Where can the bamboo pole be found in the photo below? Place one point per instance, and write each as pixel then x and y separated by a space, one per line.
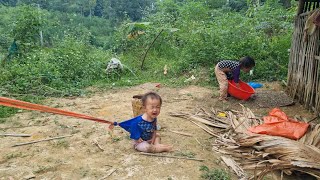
pixel 42 140
pixel 167 156
pixel 15 135
pixel 181 133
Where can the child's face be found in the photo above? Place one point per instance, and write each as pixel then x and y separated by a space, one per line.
pixel 246 70
pixel 152 107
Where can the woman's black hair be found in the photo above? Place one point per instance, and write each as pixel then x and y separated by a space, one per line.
pixel 247 62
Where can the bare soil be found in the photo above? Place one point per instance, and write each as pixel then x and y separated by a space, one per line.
pixel 77 157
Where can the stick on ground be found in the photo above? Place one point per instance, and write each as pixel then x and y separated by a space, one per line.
pixel 16 135
pixel 15 127
pixel 205 128
pixel 109 174
pixel 181 133
pixel 199 142
pixel 167 156
pixel 42 140
pixel 95 142
pixel 313 119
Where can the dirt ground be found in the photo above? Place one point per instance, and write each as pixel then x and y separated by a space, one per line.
pixel 76 157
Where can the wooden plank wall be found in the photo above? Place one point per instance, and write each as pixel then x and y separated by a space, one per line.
pixel 303 69
pixel 307 5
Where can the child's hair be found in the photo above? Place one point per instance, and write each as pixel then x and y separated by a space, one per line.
pixel 151 95
pixel 247 62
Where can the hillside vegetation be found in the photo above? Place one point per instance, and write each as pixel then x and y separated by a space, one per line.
pixel 78 38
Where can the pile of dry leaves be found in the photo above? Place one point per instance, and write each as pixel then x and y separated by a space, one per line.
pixel 255 153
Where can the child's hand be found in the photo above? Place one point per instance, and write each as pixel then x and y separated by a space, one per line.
pixel 140 140
pixel 238 85
pixel 111 127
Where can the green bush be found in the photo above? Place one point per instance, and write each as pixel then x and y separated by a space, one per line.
pixel 69 61
pixel 61 71
pixel 196 35
pixel 215 174
pixel 206 36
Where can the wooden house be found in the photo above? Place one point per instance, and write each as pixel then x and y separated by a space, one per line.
pixel 304 63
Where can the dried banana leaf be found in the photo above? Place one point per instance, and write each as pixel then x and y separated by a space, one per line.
pixel 261 154
pixel 264 154
pixel 234 166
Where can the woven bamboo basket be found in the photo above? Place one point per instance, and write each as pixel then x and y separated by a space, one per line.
pixel 137 106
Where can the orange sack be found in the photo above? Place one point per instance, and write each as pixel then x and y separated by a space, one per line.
pixel 278 124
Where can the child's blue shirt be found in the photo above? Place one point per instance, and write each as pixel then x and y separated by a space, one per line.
pixel 139 128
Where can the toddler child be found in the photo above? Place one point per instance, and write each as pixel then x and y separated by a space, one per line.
pixel 143 128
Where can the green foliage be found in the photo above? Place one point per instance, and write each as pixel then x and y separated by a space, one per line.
pixel 215 3
pixel 99 8
pixel 25 22
pixel 62 144
pixel 6 112
pixel 116 139
pixel 119 10
pixel 61 71
pixel 9 2
pixel 13 155
pixel 185 154
pixel 79 37
pixel 6 27
pixel 114 10
pixel 238 5
pixel 26 28
pixel 207 36
pixel 95 31
pixel 215 174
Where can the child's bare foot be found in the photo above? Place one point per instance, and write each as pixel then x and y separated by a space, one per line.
pixel 159 148
pixel 169 148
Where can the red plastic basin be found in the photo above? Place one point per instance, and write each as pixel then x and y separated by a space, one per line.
pixel 244 92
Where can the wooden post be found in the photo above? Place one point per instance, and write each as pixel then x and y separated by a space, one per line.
pixel 300 7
